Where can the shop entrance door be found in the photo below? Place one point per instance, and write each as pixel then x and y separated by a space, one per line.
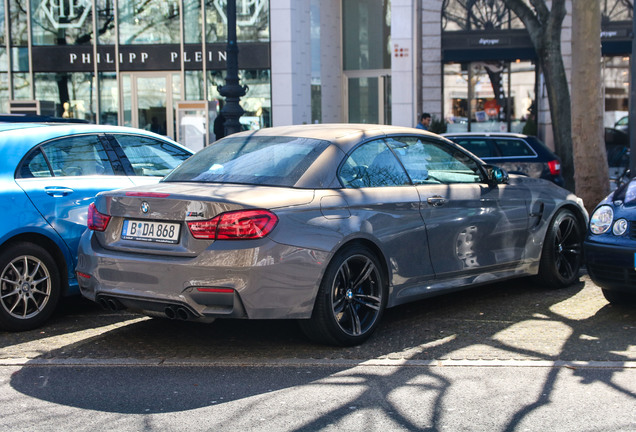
pixel 368 96
pixel 148 101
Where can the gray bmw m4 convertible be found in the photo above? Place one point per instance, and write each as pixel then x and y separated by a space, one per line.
pixel 325 224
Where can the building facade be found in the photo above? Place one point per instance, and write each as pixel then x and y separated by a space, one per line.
pixel 469 63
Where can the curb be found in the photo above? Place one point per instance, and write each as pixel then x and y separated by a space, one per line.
pixel 254 362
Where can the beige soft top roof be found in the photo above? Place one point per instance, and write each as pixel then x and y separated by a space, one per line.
pixel 335 132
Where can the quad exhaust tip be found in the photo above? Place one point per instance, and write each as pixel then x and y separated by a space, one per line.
pixel 177 313
pixel 110 304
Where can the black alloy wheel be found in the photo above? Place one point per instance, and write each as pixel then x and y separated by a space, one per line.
pixel 350 301
pixel 562 251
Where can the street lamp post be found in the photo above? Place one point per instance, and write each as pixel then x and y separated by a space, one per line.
pixel 232 91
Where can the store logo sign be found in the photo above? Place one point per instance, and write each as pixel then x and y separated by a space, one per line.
pixel 247 11
pixel 66 13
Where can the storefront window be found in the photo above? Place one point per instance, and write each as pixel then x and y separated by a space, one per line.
pixel 108 98
pixel 367 30
pixel 21 85
pixel 316 87
pixel 18 18
pixel 363 100
pixel 252 21
pixel 149 22
pixel 20 59
pixel 72 92
pixel 2 25
pixel 194 85
pixel 256 103
pixel 617 49
pixel 4 92
pixel 522 86
pixel 617 10
pixel 616 80
pixel 105 22
pixel 489 96
pixel 62 23
pixel 192 21
pixel 4 82
pixel 176 96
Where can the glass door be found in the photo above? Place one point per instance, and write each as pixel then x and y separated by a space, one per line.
pixel 368 97
pixel 148 101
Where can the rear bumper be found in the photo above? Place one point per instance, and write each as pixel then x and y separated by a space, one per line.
pixel 261 280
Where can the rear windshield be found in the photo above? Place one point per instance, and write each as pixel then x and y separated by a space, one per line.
pixel 270 161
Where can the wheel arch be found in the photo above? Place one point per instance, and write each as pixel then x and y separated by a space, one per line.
pixel 373 247
pixel 580 216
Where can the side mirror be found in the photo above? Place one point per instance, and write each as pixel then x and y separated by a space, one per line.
pixel 496 175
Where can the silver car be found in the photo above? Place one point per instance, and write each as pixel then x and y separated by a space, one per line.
pixel 327 224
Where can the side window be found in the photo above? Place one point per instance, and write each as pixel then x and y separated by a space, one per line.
pixel 34 166
pixel 373 164
pixel 431 162
pixel 149 156
pixel 514 148
pixel 479 147
pixel 81 155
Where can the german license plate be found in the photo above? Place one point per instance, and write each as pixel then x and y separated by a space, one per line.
pixel 148 231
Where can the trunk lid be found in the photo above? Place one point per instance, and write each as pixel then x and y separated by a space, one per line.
pixel 138 213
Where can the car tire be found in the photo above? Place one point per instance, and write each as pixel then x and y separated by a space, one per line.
pixel 29 286
pixel 350 301
pixel 561 257
pixel 619 298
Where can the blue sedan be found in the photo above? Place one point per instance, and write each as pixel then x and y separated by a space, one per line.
pixel 610 246
pixel 49 174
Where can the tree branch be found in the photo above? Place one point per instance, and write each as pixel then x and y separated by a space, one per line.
pixel 525 14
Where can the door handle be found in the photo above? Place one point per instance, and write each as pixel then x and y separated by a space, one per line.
pixel 58 191
pixel 436 201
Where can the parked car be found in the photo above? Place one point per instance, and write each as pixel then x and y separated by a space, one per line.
pixel 516 153
pixel 610 246
pixel 622 124
pixel 49 174
pixel 328 224
pixel 617 148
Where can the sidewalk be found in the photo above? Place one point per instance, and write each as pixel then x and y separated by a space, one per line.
pixel 510 321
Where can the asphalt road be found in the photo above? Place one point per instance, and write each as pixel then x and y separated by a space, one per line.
pixel 504 357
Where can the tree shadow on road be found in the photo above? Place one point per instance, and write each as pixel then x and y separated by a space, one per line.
pixel 509 321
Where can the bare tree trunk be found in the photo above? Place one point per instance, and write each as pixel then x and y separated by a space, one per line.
pixel 551 62
pixel 544 27
pixel 590 159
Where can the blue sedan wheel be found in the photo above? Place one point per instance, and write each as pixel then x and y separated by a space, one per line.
pixel 562 251
pixel 29 286
pixel 350 301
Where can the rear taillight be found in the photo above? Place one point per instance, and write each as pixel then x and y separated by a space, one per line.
pixel 96 221
pixel 555 167
pixel 236 225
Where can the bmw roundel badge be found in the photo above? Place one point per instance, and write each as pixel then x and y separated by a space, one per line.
pixel 145 207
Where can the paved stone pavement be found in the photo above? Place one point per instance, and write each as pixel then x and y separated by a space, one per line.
pixel 507 321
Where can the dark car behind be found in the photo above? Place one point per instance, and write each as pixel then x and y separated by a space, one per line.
pixel 516 153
